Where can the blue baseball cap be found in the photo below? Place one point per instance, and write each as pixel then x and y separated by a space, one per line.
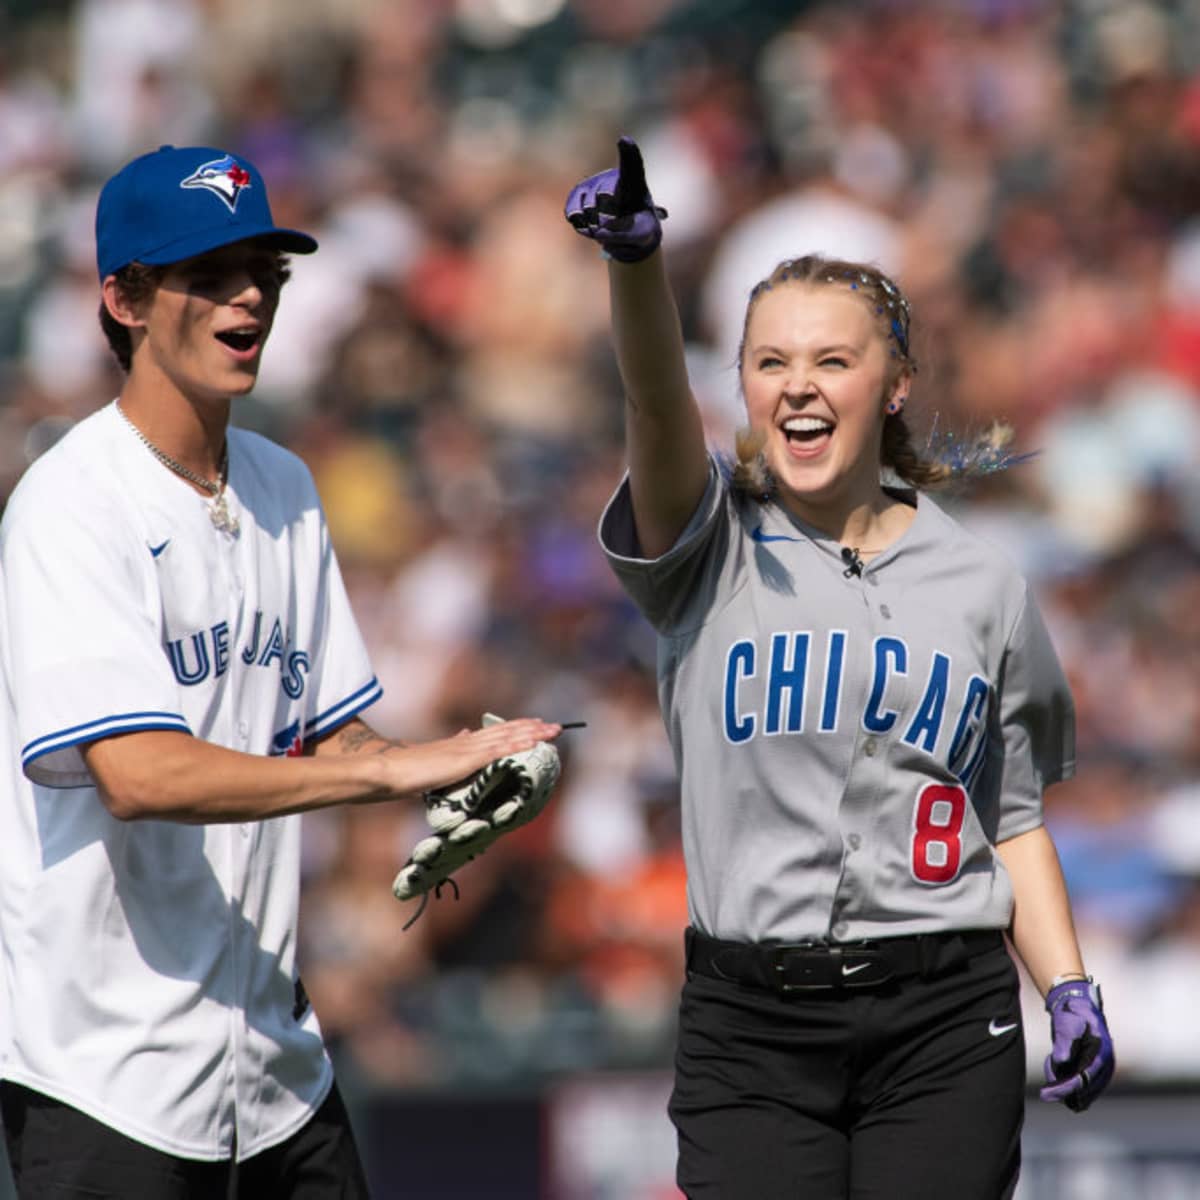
pixel 177 202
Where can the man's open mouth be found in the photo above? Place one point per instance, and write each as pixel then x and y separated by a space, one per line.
pixel 240 339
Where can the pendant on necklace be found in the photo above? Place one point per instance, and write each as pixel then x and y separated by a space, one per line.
pixel 221 517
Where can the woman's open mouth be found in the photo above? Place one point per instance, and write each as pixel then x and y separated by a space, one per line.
pixel 807 435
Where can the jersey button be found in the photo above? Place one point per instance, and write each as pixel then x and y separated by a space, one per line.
pixel 854 841
pixel 885 612
pixel 869 747
pixel 841 929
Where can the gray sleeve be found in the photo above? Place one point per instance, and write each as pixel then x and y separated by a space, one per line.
pixel 1037 723
pixel 668 588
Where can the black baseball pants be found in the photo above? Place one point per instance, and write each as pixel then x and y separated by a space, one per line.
pixel 59 1153
pixel 913 1090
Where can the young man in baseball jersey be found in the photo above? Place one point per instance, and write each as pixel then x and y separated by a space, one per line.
pixel 182 678
pixel 865 708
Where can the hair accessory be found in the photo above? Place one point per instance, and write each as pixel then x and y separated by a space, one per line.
pixel 971 457
pixel 894 302
pixel 177 202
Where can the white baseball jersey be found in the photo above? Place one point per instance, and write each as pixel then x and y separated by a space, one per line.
pixel 150 964
pixel 850 747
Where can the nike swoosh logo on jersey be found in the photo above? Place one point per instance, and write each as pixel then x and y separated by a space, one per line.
pixel 999 1030
pixel 155 551
pixel 854 970
pixel 757 535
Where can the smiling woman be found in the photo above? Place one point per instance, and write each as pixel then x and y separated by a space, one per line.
pixel 866 707
pixel 857 323
pixel 874 298
pixel 821 375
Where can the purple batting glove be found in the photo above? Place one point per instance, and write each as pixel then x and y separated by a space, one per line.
pixel 1081 1062
pixel 614 208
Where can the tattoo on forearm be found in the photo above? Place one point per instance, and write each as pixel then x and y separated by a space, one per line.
pixel 353 738
pixel 359 738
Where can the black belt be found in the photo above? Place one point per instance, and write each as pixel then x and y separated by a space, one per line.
pixel 828 966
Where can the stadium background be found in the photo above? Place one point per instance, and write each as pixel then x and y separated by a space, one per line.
pixel 1031 171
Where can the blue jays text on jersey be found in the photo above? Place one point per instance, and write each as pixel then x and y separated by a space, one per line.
pixel 196 656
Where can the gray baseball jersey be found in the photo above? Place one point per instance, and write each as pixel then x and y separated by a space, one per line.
pixel 850 747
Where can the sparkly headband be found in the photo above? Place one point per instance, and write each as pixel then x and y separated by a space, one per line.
pixel 895 305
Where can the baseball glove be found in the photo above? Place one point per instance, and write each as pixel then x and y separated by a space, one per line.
pixel 469 817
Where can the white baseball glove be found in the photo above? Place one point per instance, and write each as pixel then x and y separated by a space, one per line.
pixel 467 819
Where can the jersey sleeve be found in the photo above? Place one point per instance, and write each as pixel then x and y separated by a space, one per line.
pixel 1037 723
pixel 665 589
pixel 344 683
pixel 83 644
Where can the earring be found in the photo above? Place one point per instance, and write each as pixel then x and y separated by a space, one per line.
pixel 893 407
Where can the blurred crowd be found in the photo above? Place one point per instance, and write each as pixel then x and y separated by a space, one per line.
pixel 1028 169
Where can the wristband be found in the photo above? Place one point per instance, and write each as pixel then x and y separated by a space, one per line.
pixel 1066 977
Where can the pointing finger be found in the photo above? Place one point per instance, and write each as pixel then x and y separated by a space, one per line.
pixel 631 182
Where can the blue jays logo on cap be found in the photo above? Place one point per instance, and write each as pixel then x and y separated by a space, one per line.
pixel 224 177
pixel 158 209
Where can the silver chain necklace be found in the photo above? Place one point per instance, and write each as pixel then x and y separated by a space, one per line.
pixel 218 508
